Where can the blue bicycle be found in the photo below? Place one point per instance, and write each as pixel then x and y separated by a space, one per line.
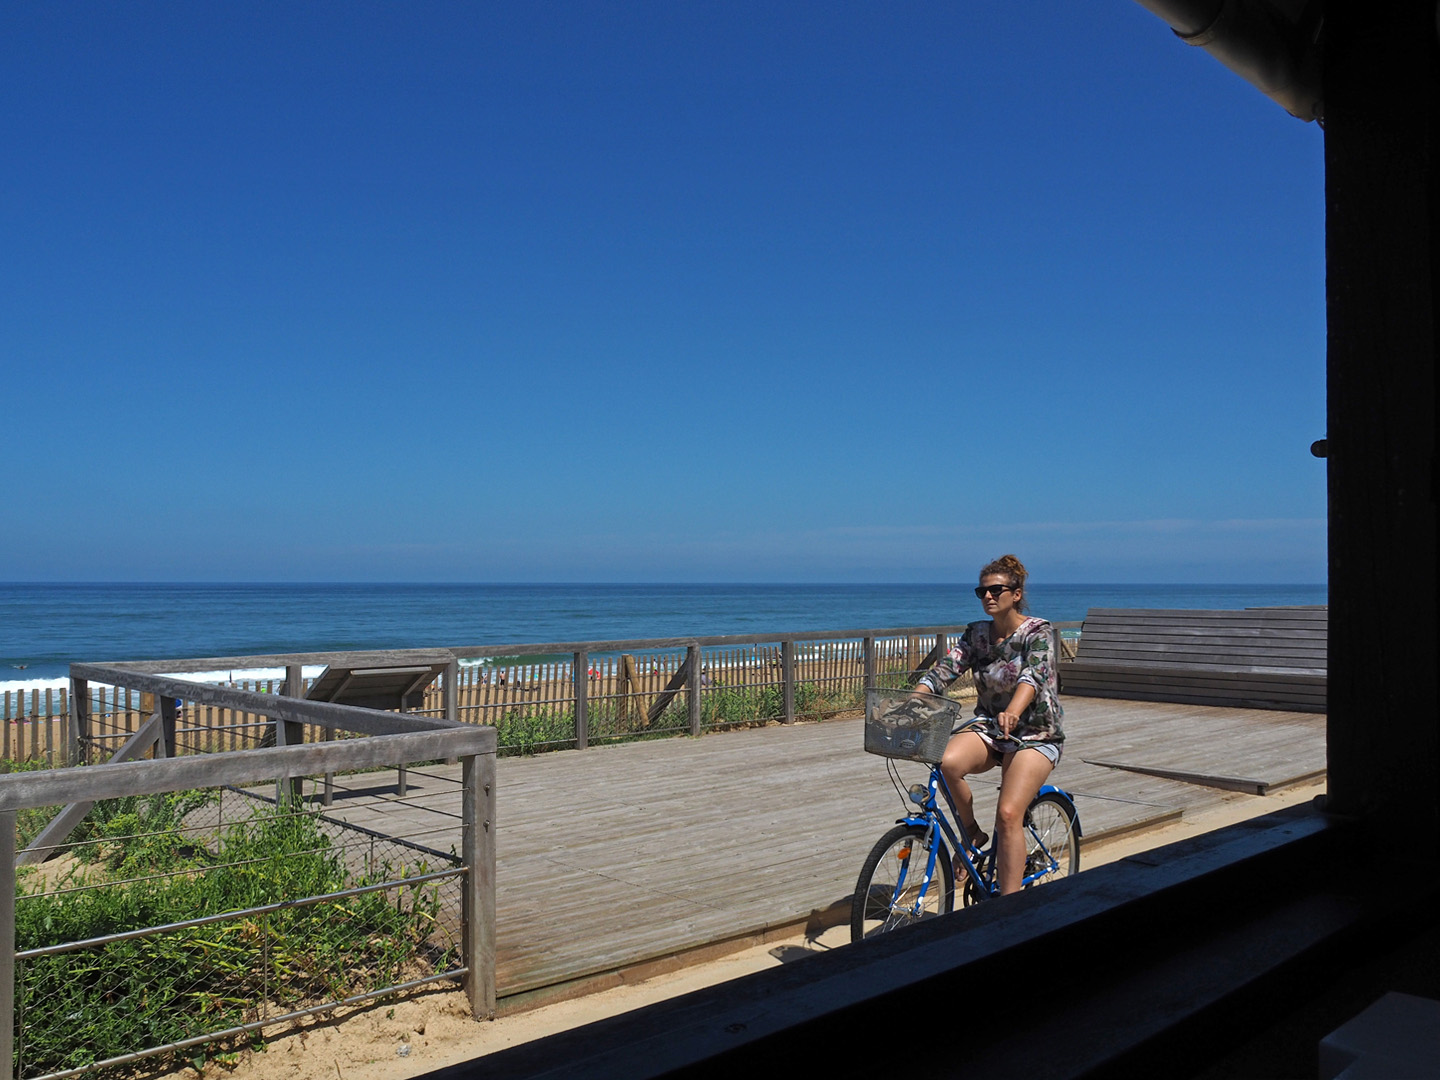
pixel 908 874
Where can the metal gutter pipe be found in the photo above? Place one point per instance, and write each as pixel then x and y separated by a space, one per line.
pixel 1271 44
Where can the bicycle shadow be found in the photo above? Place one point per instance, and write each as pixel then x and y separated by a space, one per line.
pixel 826 928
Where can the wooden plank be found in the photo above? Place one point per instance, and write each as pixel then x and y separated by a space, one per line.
pixel 345 717
pixel 20 791
pixel 63 824
pixel 1244 652
pixel 639 644
pixel 1170 635
pixel 1228 783
pixel 1298 614
pixel 400 657
pixel 1161 677
pixel 678 680
pixel 1239 701
pixel 1156 686
pixel 374 658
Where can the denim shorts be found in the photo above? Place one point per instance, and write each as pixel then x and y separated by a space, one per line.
pixel 989 732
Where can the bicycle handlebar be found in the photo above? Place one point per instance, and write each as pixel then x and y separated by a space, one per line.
pixel 976 722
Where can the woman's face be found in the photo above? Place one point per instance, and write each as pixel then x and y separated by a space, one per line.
pixel 995 601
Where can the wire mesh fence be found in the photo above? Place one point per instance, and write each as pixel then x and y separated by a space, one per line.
pixel 186 923
pixel 645 694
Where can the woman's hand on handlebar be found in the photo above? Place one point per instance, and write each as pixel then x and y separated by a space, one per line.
pixel 1009 717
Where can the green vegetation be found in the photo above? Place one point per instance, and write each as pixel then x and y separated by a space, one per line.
pixel 136 869
pixel 730 706
pixel 532 729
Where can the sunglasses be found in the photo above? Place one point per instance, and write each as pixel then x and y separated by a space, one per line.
pixel 993 591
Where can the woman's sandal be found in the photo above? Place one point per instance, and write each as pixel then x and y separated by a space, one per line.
pixel 978 840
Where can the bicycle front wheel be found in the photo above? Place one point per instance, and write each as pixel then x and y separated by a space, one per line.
pixel 1052 842
pixel 892 890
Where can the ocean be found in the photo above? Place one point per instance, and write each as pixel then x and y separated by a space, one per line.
pixel 44 627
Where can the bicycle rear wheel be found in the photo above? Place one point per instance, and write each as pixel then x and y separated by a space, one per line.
pixel 892 891
pixel 1052 842
pixel 972 891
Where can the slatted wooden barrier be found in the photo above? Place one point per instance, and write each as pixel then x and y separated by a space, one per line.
pixel 1258 658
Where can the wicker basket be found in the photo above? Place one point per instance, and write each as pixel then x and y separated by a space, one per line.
pixel 899 726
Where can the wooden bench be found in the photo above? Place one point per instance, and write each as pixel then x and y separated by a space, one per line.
pixel 1258 658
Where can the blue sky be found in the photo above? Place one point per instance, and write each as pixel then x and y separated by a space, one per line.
pixel 651 292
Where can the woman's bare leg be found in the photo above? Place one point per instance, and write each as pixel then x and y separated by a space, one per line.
pixel 1021 776
pixel 965 755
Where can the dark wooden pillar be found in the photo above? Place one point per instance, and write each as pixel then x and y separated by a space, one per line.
pixel 580 678
pixel 169 715
pixel 1382 238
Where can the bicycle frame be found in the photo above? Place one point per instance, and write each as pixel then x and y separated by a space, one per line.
pixel 931 815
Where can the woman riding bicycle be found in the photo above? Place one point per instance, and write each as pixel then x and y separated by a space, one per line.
pixel 1011 657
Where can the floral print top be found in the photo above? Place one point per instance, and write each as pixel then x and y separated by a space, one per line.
pixel 999 667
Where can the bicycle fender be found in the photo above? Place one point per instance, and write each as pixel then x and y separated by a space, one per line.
pixel 1051 788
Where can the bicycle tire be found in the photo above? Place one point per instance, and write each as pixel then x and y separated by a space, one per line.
pixel 1050 821
pixel 873 909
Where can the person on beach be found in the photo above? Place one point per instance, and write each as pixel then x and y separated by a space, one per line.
pixel 1010 655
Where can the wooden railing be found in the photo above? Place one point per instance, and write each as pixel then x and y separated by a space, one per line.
pixel 535 704
pixel 572 695
pixel 362 738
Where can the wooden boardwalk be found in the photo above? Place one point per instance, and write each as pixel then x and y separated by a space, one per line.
pixel 613 856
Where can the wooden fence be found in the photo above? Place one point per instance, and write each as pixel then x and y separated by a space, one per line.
pixel 580 692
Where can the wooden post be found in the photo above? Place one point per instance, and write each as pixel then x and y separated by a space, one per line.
pixel 450 696
pixel 1382 236
pixel 167 724
pixel 632 702
pixel 478 901
pixel 79 722
pixel 692 661
pixel 787 677
pixel 869 647
pixel 7 943
pixel 49 728
pixel 450 691
pixel 291 733
pixel 580 676
pixel 402 774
